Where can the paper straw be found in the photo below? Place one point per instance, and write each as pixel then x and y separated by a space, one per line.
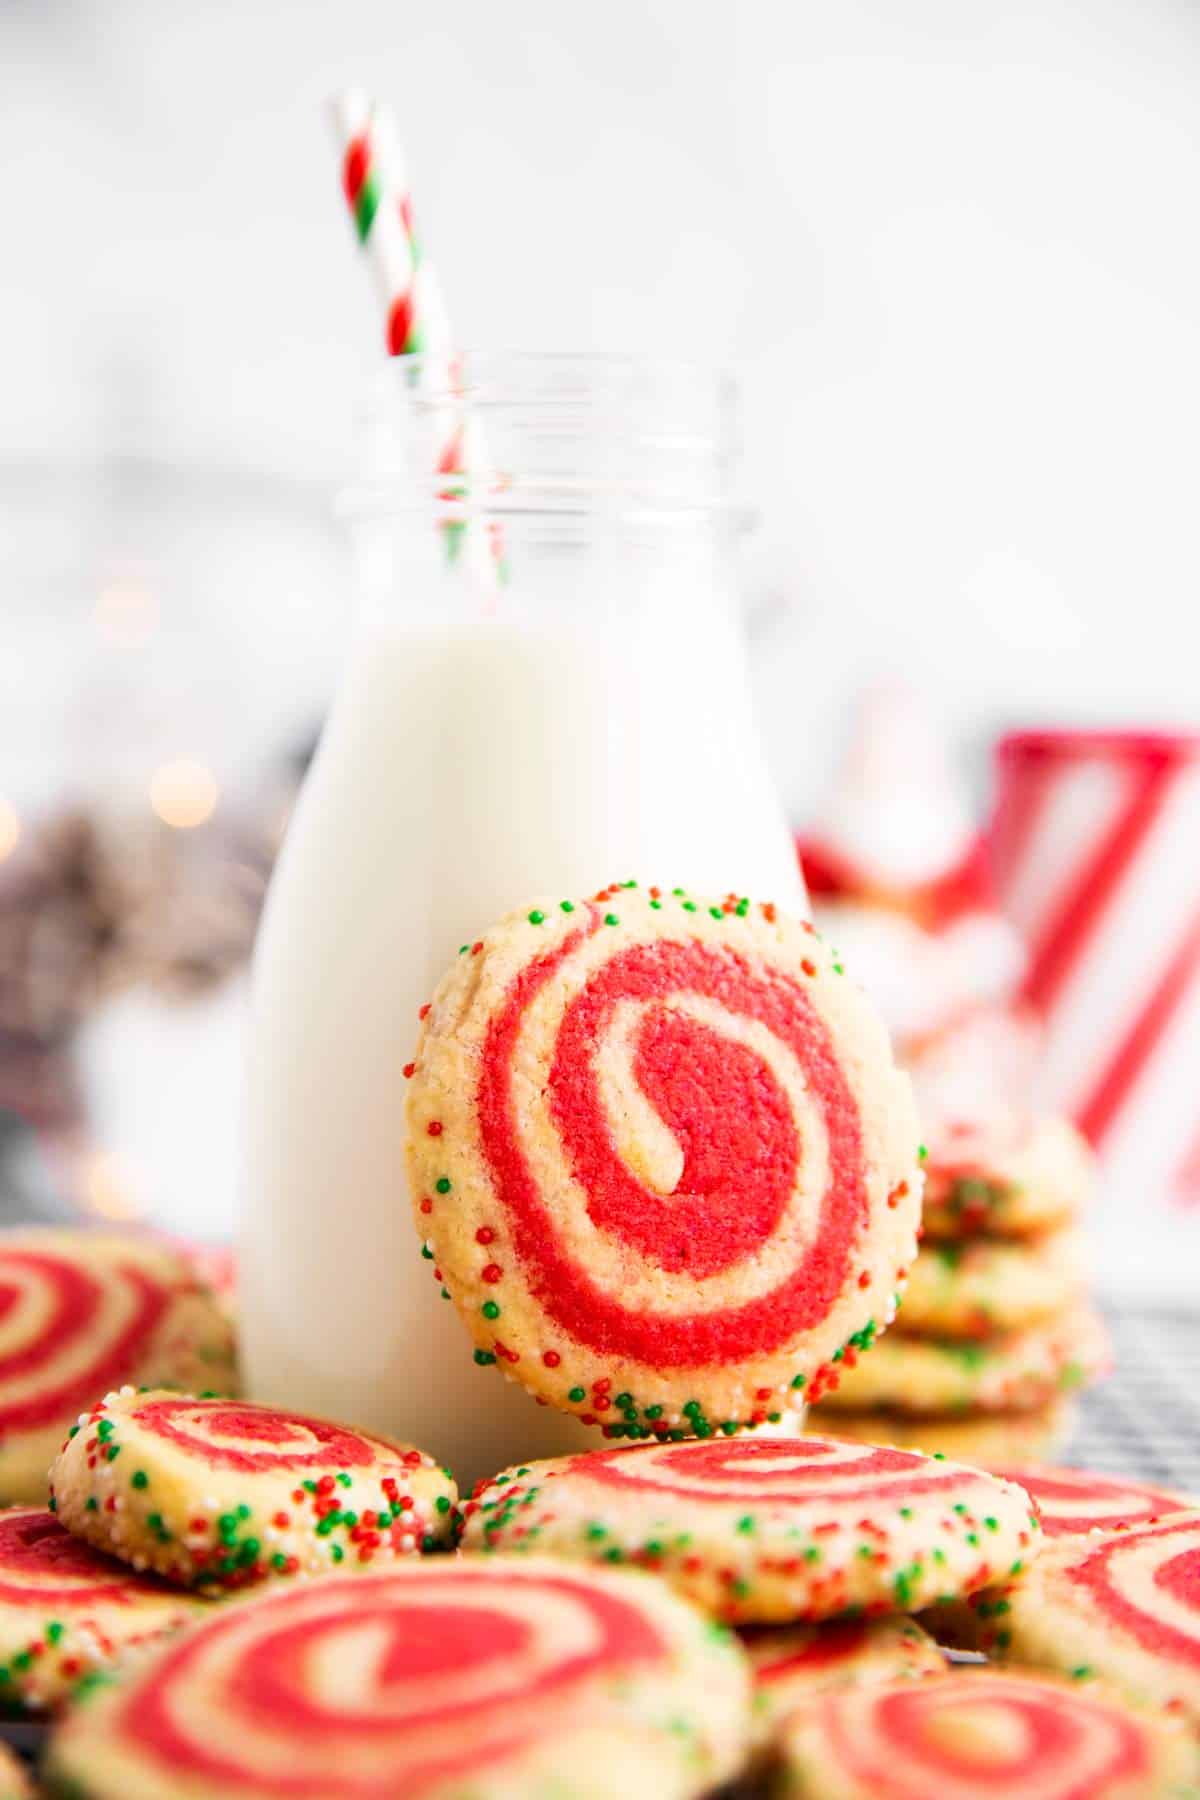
pixel 416 321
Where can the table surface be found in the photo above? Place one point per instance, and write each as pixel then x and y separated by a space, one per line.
pixel 1144 1420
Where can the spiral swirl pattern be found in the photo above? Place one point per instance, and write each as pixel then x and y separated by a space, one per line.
pixel 660 1144
pixel 80 1313
pixel 757 1529
pixel 429 1679
pixel 1124 1605
pixel 794 1662
pixel 971 1735
pixel 65 1609
pixel 1073 1502
pixel 226 1492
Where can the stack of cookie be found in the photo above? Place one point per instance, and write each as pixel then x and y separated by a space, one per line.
pixel 994 1331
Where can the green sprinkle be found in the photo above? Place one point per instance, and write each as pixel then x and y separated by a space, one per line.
pixel 654 1412
pixel 93 1504
pixel 484 1357
pixel 577 1394
pixel 140 1479
pixel 74 1431
pixel 1082 1672
pixel 442 1184
pixel 922 1152
pixel 657 905
pixel 624 1401
pixel 443 1503
pixel 690 906
pixel 714 912
pixel 112 1453
pixel 567 905
pixel 279 1561
pixel 490 1310
pixel 537 918
pixel 798 1381
pixel 336 1551
pixel 343 1479
pixel 54 1632
pixel 595 1532
pixel 746 1523
pixel 611 919
pixel 426 1252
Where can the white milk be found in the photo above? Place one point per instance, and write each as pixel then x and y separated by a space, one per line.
pixel 571 740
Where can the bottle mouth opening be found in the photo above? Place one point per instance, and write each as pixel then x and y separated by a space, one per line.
pixel 511 433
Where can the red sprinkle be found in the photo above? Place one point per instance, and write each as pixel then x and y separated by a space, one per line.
pixel 424 1011
pixel 492 1272
pixel 484 1235
pixel 427 1205
pixel 409 1071
pixel 434 1128
pixel 551 1358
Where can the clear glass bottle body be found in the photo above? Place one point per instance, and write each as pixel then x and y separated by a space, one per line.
pixel 588 720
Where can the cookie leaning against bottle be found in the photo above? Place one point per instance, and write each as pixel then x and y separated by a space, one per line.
pixel 659 1150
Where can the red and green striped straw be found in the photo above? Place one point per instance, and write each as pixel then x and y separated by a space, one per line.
pixel 416 322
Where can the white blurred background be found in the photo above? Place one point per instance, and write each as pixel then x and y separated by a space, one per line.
pixel 950 247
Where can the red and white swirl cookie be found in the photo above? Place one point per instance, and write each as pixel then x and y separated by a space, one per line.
pixel 979 1733
pixel 1020 1372
pixel 979 1288
pixel 988 1441
pixel 1123 1605
pixel 1006 1182
pixel 791 1663
pixel 81 1312
pixel 432 1681
pixel 760 1530
pixel 661 1158
pixel 222 1493
pixel 66 1611
pixel 1074 1502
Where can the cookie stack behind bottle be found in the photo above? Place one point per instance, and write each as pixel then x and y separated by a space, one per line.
pixel 995 1331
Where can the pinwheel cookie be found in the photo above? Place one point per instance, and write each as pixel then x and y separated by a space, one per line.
pixel 81 1312
pixel 991 1441
pixel 972 1735
pixel 1075 1502
pixel 222 1493
pixel 791 1663
pixel 1006 1183
pixel 432 1681
pixel 1124 1606
pixel 982 1287
pixel 661 1159
pixel 763 1530
pixel 1021 1371
pixel 66 1611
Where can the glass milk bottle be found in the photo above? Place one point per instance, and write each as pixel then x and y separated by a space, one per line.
pixel 586 720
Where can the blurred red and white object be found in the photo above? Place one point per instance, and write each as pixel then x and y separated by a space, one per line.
pixel 900 880
pixel 1096 847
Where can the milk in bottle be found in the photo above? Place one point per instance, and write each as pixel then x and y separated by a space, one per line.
pixel 585 722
